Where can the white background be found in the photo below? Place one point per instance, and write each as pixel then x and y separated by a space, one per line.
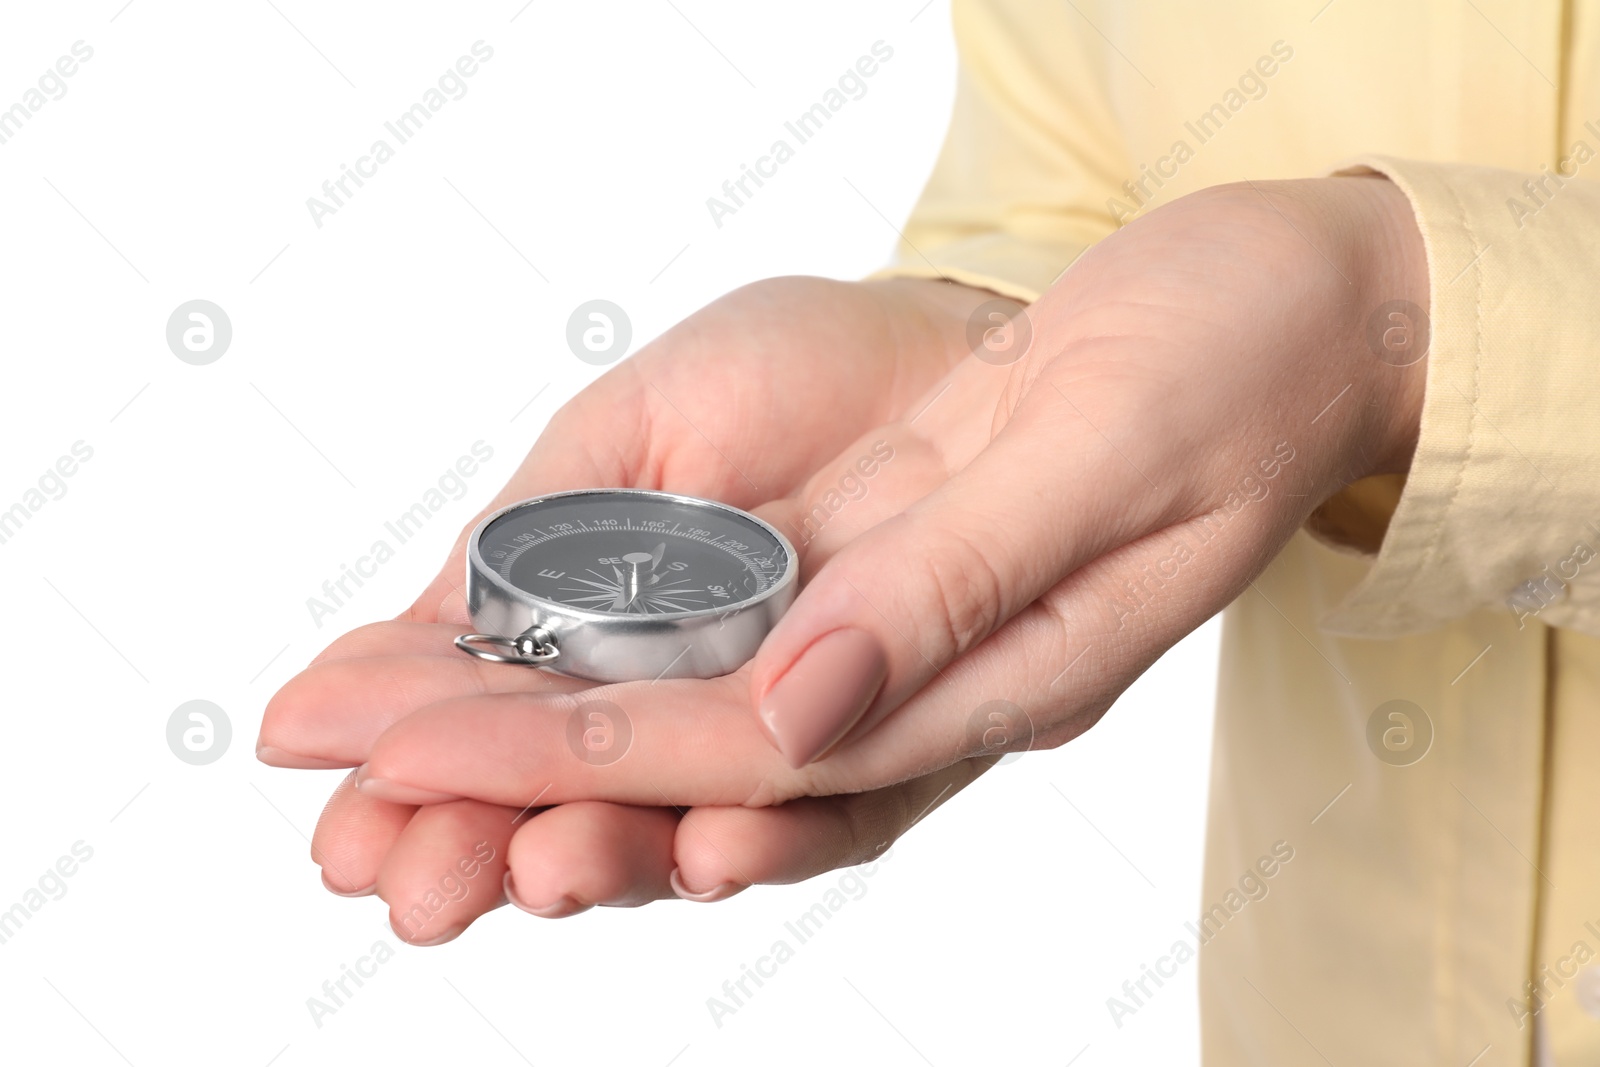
pixel 367 356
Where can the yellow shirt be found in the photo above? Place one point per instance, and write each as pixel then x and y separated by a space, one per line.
pixel 1428 885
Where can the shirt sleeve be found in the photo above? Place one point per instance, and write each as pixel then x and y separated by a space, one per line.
pixel 1031 158
pixel 1501 507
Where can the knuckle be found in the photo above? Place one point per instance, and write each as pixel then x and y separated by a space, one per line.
pixel 1069 703
pixel 769 791
pixel 965 592
pixel 848 816
pixel 780 783
pixel 873 831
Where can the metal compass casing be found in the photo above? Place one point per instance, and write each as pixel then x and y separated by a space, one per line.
pixel 619 585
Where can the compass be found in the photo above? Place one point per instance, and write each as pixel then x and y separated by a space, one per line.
pixel 619 585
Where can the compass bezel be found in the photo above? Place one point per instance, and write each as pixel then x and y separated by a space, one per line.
pixel 493 573
pixel 612 646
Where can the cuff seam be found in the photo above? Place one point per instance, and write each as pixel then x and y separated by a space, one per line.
pixel 1430 552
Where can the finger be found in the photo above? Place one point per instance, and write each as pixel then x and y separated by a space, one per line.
pixel 330 713
pixel 676 741
pixel 1054 669
pixel 685 742
pixel 892 609
pixel 445 870
pixel 353 835
pixel 575 856
pixel 719 851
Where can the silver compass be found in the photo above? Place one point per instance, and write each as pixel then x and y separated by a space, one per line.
pixel 619 585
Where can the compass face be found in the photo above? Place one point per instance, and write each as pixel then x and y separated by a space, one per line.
pixel 630 552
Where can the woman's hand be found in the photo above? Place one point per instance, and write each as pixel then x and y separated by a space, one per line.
pixel 1195 385
pixel 1214 352
pixel 740 402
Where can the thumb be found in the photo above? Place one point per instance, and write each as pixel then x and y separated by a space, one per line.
pixel 562 458
pixel 887 613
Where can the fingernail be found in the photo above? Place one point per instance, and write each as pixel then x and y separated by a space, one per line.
pixel 277 757
pixel 563 907
pixel 336 891
pixel 823 694
pixel 449 934
pixel 708 896
pixel 394 792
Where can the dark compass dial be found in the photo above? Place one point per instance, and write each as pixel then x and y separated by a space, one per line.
pixel 634 553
